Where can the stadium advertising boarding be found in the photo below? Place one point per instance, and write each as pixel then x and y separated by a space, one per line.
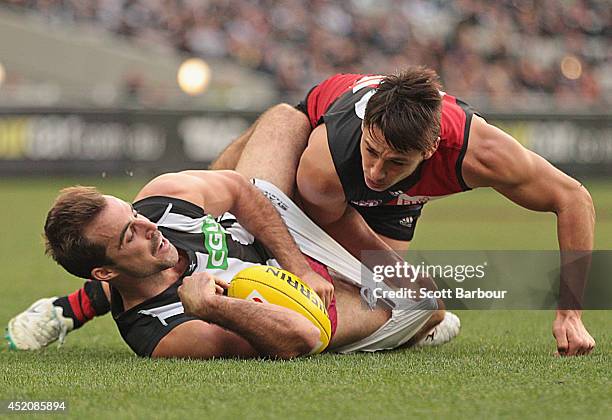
pixel 145 142
pixel 77 142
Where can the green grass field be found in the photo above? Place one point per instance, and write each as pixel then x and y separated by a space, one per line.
pixel 500 366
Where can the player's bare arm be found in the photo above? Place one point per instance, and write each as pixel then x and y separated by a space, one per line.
pixel 494 159
pixel 228 191
pixel 198 339
pixel 234 327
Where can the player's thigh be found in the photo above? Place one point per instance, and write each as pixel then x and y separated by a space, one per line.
pixel 275 146
pixel 355 319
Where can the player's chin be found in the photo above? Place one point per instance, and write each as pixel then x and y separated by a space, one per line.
pixel 170 259
pixel 375 186
pixel 167 259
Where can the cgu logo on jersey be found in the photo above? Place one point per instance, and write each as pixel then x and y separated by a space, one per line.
pixel 215 243
pixel 406 200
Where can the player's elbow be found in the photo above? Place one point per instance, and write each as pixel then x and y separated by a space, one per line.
pixel 581 201
pixel 586 201
pixel 302 339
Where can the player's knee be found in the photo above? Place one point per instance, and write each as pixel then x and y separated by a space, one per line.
pixel 282 109
pixel 289 116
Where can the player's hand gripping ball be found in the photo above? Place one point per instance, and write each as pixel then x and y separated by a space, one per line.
pixel 263 283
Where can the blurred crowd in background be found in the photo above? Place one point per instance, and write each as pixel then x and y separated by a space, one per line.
pixel 502 53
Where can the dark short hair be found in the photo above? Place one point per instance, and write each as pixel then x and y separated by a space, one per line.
pixel 406 108
pixel 73 210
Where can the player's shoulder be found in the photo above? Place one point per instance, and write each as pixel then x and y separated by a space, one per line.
pixel 456 119
pixel 494 156
pixel 168 185
pixel 199 187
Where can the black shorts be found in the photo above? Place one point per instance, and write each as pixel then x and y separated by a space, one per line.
pixel 395 222
pixel 303 107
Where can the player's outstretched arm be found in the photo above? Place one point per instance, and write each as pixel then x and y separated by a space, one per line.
pixel 495 159
pixel 221 191
pixel 234 327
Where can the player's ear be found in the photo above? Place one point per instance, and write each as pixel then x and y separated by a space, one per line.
pixel 104 273
pixel 432 150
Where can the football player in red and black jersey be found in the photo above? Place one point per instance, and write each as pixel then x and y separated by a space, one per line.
pixel 383 146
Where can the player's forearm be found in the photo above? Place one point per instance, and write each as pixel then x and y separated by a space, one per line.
pixel 260 218
pixel 575 230
pixel 576 223
pixel 273 330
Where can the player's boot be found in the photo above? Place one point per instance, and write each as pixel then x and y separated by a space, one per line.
pixel 442 333
pixel 38 326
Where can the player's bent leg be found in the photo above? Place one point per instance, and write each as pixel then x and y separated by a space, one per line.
pixel 273 151
pixel 360 329
pixel 51 319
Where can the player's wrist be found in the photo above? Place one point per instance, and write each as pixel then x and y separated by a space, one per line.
pixel 301 269
pixel 209 308
pixel 569 314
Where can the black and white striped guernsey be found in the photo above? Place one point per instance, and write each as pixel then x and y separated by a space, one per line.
pixel 219 246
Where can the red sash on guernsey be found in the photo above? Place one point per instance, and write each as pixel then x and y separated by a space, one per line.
pixel 441 174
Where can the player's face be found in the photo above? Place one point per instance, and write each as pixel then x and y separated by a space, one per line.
pixel 383 166
pixel 132 241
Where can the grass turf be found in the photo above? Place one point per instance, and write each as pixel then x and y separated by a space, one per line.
pixel 500 366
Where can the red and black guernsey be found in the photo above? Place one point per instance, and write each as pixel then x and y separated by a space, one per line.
pixel 340 103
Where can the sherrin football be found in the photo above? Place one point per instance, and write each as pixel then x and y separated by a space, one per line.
pixel 262 283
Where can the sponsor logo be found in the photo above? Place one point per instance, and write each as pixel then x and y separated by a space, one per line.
pixel 396 193
pixel 407 221
pixel 255 296
pixel 367 203
pixel 306 291
pixel 406 200
pixel 215 244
